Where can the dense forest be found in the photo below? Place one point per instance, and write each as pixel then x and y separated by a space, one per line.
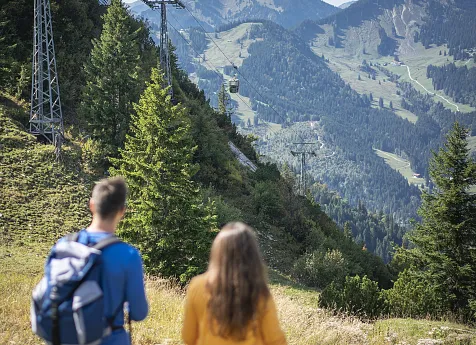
pixel 433 115
pixel 377 231
pixel 457 82
pixel 453 24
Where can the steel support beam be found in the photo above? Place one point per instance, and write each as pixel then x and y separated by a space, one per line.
pixel 46 117
pixel 164 36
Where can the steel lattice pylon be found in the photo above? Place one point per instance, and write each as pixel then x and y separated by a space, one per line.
pixel 164 36
pixel 46 118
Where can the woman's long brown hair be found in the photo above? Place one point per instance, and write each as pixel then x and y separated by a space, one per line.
pixel 237 281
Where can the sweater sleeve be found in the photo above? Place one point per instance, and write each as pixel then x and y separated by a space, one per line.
pixel 135 290
pixel 271 331
pixel 190 320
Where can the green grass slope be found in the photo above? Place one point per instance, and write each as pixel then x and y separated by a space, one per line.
pixel 41 199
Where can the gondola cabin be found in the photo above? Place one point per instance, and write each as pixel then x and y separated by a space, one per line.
pixel 234 85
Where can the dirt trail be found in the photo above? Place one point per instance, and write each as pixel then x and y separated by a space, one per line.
pixel 431 93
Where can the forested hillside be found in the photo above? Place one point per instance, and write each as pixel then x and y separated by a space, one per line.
pixel 457 82
pixel 378 232
pixel 309 91
pixel 453 23
pixel 77 21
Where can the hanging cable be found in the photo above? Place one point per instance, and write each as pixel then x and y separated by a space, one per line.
pixel 213 68
pixel 233 64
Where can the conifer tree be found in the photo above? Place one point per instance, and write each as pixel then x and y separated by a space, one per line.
pixel 444 256
pixel 167 220
pixel 112 79
pixel 224 102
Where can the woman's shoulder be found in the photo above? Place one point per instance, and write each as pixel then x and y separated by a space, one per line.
pixel 198 283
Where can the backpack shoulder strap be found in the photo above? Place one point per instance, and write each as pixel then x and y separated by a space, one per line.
pixel 107 242
pixel 72 237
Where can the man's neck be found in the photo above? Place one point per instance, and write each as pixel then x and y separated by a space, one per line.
pixel 100 225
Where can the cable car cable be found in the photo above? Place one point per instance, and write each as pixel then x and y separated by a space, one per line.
pixel 233 64
pixel 213 68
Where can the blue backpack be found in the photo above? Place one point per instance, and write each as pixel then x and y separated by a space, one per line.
pixel 68 303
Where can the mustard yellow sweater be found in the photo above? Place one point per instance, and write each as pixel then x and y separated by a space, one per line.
pixel 196 330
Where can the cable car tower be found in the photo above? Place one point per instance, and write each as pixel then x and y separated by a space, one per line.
pixel 46 117
pixel 303 153
pixel 164 36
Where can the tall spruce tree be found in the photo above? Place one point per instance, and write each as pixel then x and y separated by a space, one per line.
pixel 223 101
pixel 112 79
pixel 444 253
pixel 167 220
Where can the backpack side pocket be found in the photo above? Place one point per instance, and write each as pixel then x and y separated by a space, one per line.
pixel 87 304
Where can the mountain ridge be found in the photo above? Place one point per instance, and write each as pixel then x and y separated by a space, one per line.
pixel 214 13
pixel 346 4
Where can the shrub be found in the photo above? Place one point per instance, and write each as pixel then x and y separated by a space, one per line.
pixel 413 296
pixel 358 296
pixel 319 269
pixel 93 156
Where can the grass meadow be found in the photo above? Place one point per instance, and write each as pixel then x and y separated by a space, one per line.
pixel 302 320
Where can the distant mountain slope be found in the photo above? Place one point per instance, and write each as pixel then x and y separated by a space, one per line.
pixel 214 13
pixel 388 27
pixel 369 28
pixel 376 44
pixel 452 23
pixel 347 4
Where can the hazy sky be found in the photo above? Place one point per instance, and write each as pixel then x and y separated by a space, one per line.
pixel 336 2
pixel 333 2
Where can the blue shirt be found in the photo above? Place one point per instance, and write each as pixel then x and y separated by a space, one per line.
pixel 122 281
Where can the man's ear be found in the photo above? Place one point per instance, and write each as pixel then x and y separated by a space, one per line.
pixel 122 212
pixel 92 207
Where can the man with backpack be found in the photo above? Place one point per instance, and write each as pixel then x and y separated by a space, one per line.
pixel 89 276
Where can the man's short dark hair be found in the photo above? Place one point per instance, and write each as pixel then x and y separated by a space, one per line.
pixel 109 197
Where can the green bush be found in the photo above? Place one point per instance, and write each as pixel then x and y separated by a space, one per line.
pixel 226 212
pixel 319 269
pixel 358 296
pixel 93 156
pixel 414 296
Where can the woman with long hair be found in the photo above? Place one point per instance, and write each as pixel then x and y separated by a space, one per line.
pixel 231 302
